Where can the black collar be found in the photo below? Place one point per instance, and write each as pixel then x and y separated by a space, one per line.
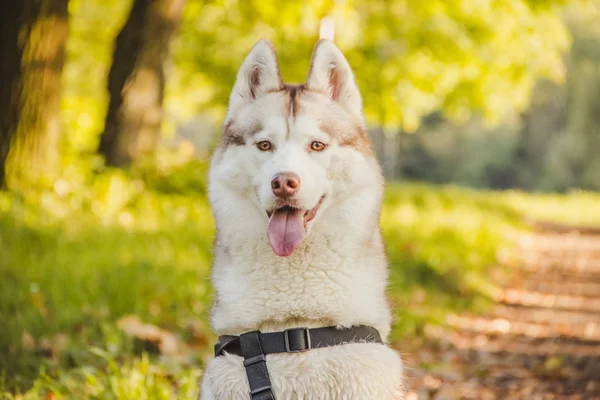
pixel 301 339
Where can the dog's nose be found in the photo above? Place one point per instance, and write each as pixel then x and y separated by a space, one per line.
pixel 285 184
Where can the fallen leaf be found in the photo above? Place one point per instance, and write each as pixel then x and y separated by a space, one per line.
pixel 133 326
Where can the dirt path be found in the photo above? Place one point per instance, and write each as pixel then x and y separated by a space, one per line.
pixel 540 341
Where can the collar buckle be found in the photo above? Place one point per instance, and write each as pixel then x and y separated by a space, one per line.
pixel 298 336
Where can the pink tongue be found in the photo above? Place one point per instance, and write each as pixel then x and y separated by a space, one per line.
pixel 285 231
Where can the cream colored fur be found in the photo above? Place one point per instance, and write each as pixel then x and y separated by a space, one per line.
pixel 338 273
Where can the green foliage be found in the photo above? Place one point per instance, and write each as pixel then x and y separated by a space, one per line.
pixel 93 26
pixel 410 57
pixel 551 147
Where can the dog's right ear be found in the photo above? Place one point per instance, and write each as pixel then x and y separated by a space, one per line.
pixel 258 75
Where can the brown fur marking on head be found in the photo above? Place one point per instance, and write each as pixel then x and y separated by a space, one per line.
pixel 355 137
pixel 236 135
pixel 292 95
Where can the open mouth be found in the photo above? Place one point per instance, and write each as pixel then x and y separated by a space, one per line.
pixel 287 225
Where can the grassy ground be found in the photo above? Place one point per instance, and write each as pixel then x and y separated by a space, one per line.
pixel 76 259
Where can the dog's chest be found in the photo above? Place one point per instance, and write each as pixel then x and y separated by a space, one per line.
pixel 328 286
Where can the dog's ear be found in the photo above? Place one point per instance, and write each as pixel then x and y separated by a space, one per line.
pixel 330 72
pixel 258 75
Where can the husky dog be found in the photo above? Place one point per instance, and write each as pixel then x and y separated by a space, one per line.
pixel 296 194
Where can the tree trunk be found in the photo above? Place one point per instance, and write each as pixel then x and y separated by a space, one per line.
pixel 34 33
pixel 136 81
pixel 10 70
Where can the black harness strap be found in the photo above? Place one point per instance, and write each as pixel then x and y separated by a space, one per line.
pixel 255 363
pixel 254 346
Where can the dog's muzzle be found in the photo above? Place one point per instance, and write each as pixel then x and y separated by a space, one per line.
pixel 254 346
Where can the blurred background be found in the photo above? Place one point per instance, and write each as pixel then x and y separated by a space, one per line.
pixel 485 115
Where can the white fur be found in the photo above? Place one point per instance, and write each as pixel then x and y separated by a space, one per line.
pixel 338 273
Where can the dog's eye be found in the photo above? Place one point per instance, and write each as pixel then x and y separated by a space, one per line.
pixel 264 145
pixel 317 146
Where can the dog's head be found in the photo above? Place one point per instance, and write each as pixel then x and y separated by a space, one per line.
pixel 294 153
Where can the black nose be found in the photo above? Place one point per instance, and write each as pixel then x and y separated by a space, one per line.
pixel 285 184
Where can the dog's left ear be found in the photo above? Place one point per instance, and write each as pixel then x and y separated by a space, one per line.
pixel 330 72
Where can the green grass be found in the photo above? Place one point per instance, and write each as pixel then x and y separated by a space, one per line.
pixel 575 208
pixel 77 258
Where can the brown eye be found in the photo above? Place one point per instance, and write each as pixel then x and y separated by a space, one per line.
pixel 264 145
pixel 317 146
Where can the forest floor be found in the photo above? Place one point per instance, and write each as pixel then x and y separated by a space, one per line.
pixel 541 339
